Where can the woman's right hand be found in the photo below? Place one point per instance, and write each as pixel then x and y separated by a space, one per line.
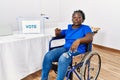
pixel 57 31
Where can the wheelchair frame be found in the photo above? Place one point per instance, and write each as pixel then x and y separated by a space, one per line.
pixel 83 66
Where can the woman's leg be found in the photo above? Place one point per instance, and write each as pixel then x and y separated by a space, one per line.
pixel 63 64
pixel 51 56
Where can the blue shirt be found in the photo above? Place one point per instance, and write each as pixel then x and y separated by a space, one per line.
pixel 73 34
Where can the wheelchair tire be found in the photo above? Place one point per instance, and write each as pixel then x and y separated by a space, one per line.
pixel 91 66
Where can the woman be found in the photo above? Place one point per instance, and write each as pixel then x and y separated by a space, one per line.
pixel 76 37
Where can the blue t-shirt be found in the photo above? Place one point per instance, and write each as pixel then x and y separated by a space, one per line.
pixel 73 34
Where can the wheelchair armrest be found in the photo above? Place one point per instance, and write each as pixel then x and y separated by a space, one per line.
pixel 55 38
pixel 95 30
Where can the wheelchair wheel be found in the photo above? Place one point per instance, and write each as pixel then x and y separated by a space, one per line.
pixel 91 66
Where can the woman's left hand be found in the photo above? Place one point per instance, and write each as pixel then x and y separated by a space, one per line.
pixel 75 45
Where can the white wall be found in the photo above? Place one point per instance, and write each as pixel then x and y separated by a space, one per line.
pixel 99 13
pixel 51 8
pixel 10 10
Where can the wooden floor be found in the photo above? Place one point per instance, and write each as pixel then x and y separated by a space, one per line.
pixel 110 69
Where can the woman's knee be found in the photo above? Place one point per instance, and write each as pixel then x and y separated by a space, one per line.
pixel 64 58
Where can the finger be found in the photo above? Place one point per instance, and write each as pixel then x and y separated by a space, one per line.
pixel 72 49
pixel 58 29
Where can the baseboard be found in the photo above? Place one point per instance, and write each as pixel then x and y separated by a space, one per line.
pixel 107 48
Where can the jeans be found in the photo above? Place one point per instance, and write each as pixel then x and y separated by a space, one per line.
pixel 64 60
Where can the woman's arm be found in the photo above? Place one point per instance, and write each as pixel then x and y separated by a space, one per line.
pixel 60 33
pixel 87 39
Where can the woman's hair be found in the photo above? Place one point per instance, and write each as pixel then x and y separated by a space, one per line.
pixel 81 12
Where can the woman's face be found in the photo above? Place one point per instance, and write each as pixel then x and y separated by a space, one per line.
pixel 77 19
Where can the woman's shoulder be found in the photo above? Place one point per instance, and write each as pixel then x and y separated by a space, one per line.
pixel 84 26
pixel 70 26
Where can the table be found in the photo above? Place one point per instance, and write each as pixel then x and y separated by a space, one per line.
pixel 21 55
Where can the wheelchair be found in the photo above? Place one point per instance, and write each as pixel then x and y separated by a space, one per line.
pixel 88 67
